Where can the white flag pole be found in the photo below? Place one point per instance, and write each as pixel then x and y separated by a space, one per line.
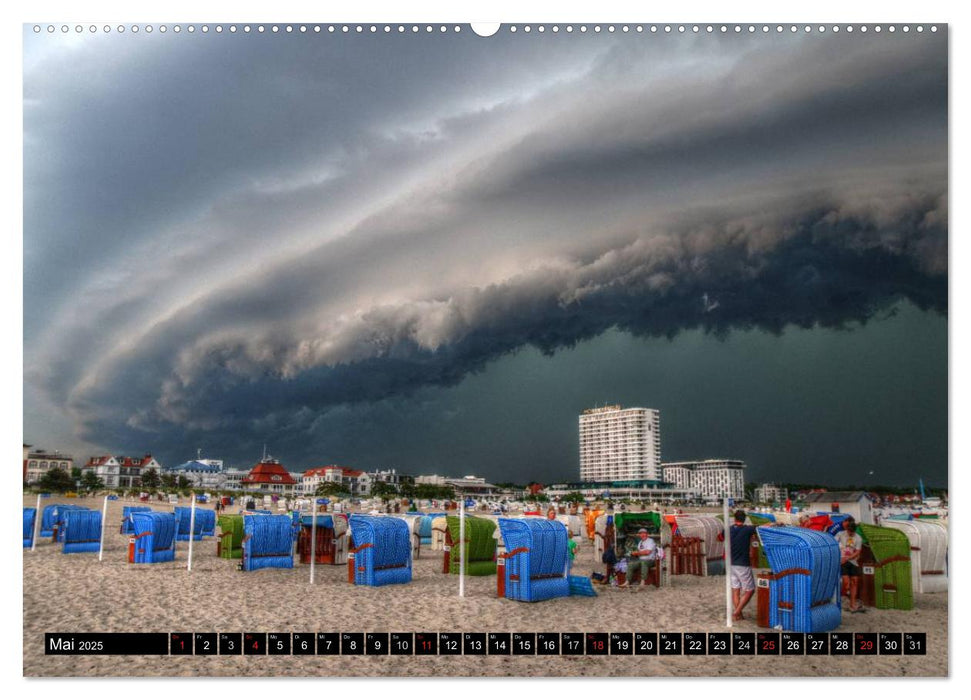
pixel 313 536
pixel 728 566
pixel 192 528
pixel 462 549
pixel 104 518
pixel 33 539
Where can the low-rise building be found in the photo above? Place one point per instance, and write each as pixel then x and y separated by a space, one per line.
pixel 269 476
pixel 390 476
pixel 233 479
pixel 202 473
pixel 430 479
pixel 38 462
pixel 131 469
pixel 711 478
pixel 635 489
pixel 770 493
pixel 471 486
pixel 466 486
pixel 121 472
pixel 855 503
pixel 106 467
pixel 353 481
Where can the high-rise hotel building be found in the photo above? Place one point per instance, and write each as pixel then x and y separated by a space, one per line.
pixel 620 444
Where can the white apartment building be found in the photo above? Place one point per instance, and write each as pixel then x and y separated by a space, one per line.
pixel 39 462
pixel 431 479
pixel 770 493
pixel 106 468
pixel 468 485
pixel 354 481
pixel 233 479
pixel 712 478
pixel 620 444
pixel 390 476
pixel 121 472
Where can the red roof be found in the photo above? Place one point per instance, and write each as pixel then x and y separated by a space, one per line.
pixel 268 473
pixel 97 461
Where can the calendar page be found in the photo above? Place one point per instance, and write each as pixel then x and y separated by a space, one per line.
pixel 542 349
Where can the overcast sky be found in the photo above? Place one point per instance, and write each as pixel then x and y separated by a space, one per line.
pixel 432 252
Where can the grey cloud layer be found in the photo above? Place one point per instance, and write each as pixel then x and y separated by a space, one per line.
pixel 256 233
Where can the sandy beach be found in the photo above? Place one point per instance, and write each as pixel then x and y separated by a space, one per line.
pixel 77 593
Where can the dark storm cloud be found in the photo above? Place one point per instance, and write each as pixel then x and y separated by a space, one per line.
pixel 261 232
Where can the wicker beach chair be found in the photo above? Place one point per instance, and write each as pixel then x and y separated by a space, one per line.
pixel 154 537
pixel 438 532
pixel 707 529
pixel 205 523
pixel 537 560
pixel 600 535
pixel 81 531
pixel 425 529
pixel 52 522
pixel 804 583
pixel 30 517
pixel 48 520
pixel 127 527
pixel 382 550
pixel 928 553
pixel 208 518
pixel 331 547
pixel 479 548
pixel 891 567
pixel 230 542
pixel 267 542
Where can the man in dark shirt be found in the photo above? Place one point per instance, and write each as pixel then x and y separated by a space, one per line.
pixel 743 583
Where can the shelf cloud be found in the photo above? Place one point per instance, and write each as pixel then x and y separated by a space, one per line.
pixel 226 237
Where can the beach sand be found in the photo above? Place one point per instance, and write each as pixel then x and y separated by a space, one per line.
pixel 77 593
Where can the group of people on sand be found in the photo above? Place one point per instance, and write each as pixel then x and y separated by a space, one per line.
pixel 743 582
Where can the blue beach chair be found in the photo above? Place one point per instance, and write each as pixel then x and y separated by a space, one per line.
pixel 382 550
pixel 537 559
pixel 804 584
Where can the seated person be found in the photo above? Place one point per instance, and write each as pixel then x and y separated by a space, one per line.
pixel 642 558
